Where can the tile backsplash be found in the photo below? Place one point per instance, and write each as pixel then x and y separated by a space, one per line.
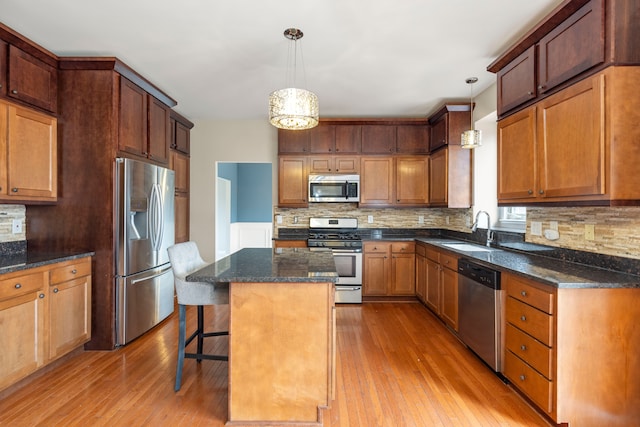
pixel 7 214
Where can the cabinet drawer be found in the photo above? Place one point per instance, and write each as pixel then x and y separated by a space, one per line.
pixel 403 247
pixel 530 382
pixel 20 285
pixel 376 247
pixel 449 261
pixel 530 320
pixel 536 354
pixel 70 271
pixel 535 297
pixel 433 254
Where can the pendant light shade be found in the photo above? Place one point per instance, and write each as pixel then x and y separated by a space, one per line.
pixel 293 108
pixel 471 138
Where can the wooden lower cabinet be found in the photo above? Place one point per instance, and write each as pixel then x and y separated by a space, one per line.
pixel 289 243
pixel 45 312
pixel 574 352
pixel 389 269
pixel 437 279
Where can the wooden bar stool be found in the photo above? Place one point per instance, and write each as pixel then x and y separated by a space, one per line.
pixel 185 259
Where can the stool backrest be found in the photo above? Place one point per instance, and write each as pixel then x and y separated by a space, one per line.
pixel 185 259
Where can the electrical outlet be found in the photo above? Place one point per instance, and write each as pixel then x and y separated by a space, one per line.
pixel 16 226
pixel 278 219
pixel 553 225
pixel 420 219
pixel 295 219
pixel 536 228
pixel 446 219
pixel 370 219
pixel 589 232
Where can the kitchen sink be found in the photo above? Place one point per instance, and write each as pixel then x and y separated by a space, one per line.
pixel 466 247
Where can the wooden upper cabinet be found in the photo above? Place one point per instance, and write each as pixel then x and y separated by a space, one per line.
pixel 159 130
pixel 3 67
pixel 348 139
pixel 322 139
pixel 31 80
pixel 447 125
pixel 412 139
pixel 132 136
pixel 28 155
pixel 376 181
pixel 180 139
pixel 378 139
pixel 574 46
pixel 517 82
pixel 450 178
pixel 293 141
pixel 292 181
pixel 412 180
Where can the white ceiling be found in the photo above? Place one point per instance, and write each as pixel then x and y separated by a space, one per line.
pixel 221 59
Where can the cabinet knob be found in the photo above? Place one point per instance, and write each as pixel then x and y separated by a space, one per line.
pixel 523 377
pixel 523 347
pixel 74 271
pixel 541 191
pixel 523 318
pixel 541 87
pixel 15 92
pixel 530 191
pixel 14 189
pixel 530 93
pixel 41 296
pixel 55 291
pixel 523 293
pixel 18 286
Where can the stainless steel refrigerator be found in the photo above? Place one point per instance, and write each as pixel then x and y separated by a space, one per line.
pixel 145 229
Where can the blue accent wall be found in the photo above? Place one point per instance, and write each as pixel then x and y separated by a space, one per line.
pixel 250 190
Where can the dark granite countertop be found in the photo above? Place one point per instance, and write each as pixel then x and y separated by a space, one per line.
pixel 521 258
pixel 29 259
pixel 270 265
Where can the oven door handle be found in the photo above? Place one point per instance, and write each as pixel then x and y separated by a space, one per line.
pixel 347 288
pixel 345 251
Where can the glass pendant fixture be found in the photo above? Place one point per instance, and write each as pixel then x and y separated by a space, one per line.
pixel 471 138
pixel 292 108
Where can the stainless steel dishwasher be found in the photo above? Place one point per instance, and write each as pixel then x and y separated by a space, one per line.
pixel 479 311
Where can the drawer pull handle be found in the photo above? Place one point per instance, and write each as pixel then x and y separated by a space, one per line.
pixel 523 318
pixel 523 377
pixel 18 286
pixel 55 291
pixel 523 347
pixel 14 189
pixel 15 92
pixel 74 271
pixel 523 293
pixel 41 295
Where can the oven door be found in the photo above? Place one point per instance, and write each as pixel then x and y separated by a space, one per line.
pixel 349 269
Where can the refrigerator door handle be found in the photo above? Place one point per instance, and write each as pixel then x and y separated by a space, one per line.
pixel 155 219
pixel 163 272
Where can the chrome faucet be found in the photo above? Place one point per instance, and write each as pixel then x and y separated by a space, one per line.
pixel 474 227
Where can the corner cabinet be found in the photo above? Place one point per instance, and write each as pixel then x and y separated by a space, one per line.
pixel 45 313
pixel 180 163
pixel 28 155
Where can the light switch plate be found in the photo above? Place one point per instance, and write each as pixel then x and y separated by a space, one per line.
pixel 536 228
pixel 589 232
pixel 16 226
pixel 553 225
pixel 370 219
pixel 420 219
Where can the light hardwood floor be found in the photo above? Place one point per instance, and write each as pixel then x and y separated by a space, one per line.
pixel 397 365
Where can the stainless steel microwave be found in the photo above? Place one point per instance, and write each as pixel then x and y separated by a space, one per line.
pixel 334 188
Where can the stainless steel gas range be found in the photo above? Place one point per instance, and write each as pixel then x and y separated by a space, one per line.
pixel 340 235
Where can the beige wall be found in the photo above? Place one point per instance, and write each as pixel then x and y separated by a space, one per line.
pixel 224 141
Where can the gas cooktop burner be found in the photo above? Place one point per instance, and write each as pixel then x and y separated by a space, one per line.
pixel 336 233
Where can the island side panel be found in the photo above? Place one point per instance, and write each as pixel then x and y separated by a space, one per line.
pixel 280 351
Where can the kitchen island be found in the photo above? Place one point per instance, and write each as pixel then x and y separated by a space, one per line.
pixel 281 333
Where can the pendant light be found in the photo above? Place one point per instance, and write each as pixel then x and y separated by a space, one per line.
pixel 293 108
pixel 471 138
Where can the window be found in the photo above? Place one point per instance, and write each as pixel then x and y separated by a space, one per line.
pixel 514 218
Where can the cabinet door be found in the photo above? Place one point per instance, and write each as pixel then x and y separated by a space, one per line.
pixel 22 336
pixel 438 183
pixel 180 165
pixel 32 81
pixel 3 67
pixel 132 129
pixel 412 139
pixel 376 181
pixel 69 315
pixel 293 141
pixel 449 311
pixel 348 139
pixel 292 181
pixel 517 171
pixel 376 274
pixel 517 81
pixel 181 208
pixel 182 137
pixel 403 275
pixel 572 47
pixel 322 139
pixel 433 285
pixel 347 164
pixel 421 276
pixel 571 146
pixel 412 181
pixel 159 131
pixel 321 164
pixel 32 156
pixel 438 133
pixel 378 139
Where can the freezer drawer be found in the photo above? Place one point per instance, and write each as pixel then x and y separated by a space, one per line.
pixel 143 301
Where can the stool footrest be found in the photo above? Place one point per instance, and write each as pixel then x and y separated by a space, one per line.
pixel 205 356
